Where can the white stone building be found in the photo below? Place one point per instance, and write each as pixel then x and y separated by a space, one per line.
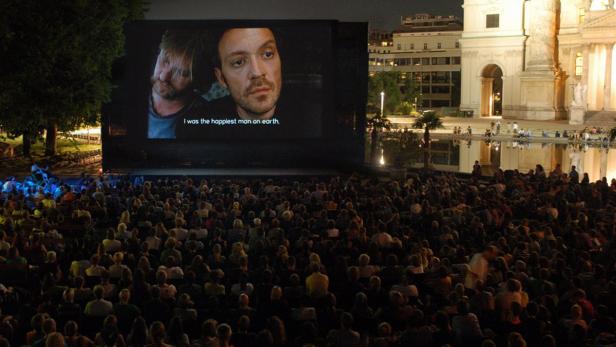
pixel 425 48
pixel 522 59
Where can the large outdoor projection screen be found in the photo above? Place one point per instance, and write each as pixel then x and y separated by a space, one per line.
pixel 223 85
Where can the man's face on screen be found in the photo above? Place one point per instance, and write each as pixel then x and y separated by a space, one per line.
pixel 251 70
pixel 171 78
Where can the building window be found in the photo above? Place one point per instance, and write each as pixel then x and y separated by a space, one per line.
pixel 402 61
pixel 416 61
pixel 399 46
pixel 425 46
pixel 492 21
pixel 456 60
pixel 579 64
pixel 457 44
pixel 581 15
pixel 439 46
pixel 425 61
pixel 440 90
pixel 412 46
pixel 441 61
pixel 440 77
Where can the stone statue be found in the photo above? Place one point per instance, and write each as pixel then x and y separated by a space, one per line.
pixel 579 95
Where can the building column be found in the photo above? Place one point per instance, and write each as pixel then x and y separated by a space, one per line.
pixel 607 89
pixel 586 68
pixel 586 71
pixel 486 96
pixel 542 54
pixel 541 81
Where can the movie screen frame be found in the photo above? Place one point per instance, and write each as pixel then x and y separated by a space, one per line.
pixel 305 87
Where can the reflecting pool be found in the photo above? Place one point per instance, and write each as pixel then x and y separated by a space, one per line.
pixel 460 155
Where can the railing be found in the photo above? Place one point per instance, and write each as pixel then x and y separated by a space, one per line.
pixel 90 138
pixel 83 158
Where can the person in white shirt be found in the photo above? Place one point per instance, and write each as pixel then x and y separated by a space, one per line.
pixel 479 266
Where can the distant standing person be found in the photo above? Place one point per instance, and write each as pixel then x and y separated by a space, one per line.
pixel 477 169
pixel 574 176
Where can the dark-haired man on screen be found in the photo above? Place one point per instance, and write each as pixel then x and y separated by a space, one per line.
pixel 249 67
pixel 175 79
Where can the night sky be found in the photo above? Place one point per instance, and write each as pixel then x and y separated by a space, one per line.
pixel 382 14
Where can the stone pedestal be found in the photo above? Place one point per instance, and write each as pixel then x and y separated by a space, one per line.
pixel 540 96
pixel 576 115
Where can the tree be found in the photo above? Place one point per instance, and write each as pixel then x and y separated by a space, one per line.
pixel 384 81
pixel 57 58
pixel 396 93
pixel 405 107
pixel 428 121
pixel 378 121
pixel 410 91
pixel 14 119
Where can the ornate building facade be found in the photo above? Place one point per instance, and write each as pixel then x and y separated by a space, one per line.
pixel 533 59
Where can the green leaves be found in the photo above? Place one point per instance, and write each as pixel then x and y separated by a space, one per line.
pixel 57 58
pixel 397 91
pixel 428 120
pixel 379 121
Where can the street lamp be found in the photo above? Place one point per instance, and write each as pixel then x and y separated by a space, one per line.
pixel 382 101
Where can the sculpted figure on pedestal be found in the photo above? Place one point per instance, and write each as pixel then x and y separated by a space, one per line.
pixel 579 95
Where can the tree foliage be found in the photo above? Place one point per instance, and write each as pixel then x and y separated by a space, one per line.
pixel 396 91
pixel 428 120
pixel 56 60
pixel 378 121
pixel 405 107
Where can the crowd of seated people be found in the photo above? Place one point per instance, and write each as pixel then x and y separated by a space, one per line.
pixel 435 260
